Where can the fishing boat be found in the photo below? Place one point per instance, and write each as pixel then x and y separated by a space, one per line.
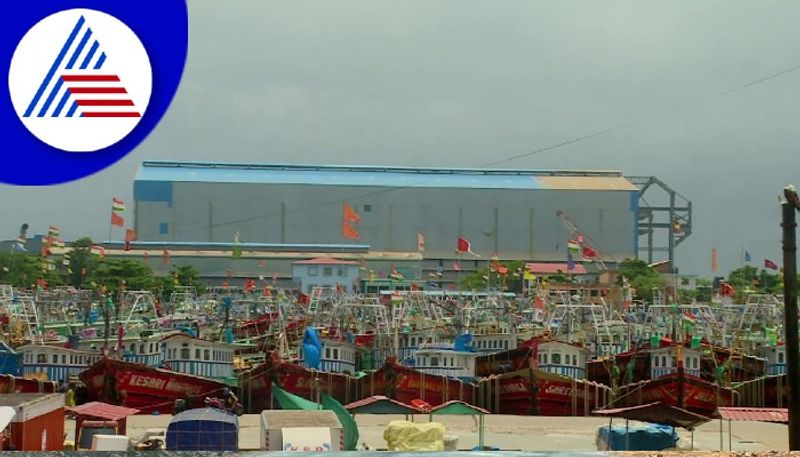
pixel 146 388
pixel 539 378
pixel 10 384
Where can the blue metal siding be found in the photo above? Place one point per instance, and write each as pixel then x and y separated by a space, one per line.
pixel 152 191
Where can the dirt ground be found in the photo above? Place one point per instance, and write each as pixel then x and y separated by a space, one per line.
pixel 525 433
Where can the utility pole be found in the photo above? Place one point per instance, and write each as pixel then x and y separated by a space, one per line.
pixel 789 225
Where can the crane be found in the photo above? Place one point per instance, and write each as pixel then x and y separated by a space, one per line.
pixel 574 232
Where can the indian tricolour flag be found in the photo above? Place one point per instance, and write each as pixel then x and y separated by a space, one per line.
pixel 98 250
pixel 117 204
pixel 688 318
pixel 574 247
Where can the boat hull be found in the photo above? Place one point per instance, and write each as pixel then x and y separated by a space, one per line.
pixel 146 388
pixel 256 385
pixel 15 385
pixel 684 391
pixel 406 384
pixel 530 392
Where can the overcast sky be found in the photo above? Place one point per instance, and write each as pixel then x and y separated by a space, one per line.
pixel 467 83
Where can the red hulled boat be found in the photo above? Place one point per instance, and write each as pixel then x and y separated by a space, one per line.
pixel 406 384
pixel 15 385
pixel 145 388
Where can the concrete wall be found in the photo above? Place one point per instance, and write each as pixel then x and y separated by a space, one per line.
pixel 518 224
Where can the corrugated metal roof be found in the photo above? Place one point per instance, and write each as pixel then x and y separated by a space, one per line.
pixel 333 175
pixel 102 410
pixel 555 268
pixel 379 404
pixel 325 261
pixel 755 414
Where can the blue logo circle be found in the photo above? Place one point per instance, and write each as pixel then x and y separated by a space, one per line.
pixel 87 82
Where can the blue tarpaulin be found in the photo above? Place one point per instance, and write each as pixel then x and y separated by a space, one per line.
pixel 203 429
pixel 652 437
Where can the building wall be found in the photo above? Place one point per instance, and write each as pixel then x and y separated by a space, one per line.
pixel 517 224
pixel 303 276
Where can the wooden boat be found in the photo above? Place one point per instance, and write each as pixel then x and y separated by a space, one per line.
pixel 542 378
pixel 15 385
pixel 145 388
pixel 671 373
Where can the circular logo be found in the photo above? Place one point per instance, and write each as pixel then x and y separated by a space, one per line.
pixel 80 80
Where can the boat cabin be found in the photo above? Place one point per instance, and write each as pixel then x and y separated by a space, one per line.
pixel 186 354
pixel 55 363
pixel 144 349
pixel 445 361
pixel 494 338
pixel 664 361
pixel 563 358
pixel 337 356
pixel 776 358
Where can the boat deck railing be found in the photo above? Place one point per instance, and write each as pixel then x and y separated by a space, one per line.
pixel 776 368
pixel 566 370
pixel 663 371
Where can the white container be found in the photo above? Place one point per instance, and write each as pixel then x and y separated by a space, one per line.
pixel 274 421
pixel 110 443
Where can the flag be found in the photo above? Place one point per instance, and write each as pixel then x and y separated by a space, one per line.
pixel 570 262
pixel 396 275
pixel 574 247
pixel 117 220
pixel 54 231
pixel 349 214
pixel 589 253
pixel 747 256
pixel 117 205
pixel 499 269
pixel 714 260
pixel 130 237
pixel 456 266
pixel 236 253
pixel 23 237
pixel 688 319
pixel 770 264
pixel 165 257
pixel 420 242
pixel 463 246
pixel 349 232
pixel 97 250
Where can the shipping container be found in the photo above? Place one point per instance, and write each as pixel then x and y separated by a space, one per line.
pixel 39 421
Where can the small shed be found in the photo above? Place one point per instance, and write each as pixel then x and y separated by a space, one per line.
pixel 99 411
pixel 379 404
pixel 460 408
pixel 38 423
pixel 322 430
pixel 203 429
pixel 730 414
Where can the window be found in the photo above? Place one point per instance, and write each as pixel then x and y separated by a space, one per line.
pixel 71 359
pixel 780 357
pixel 141 348
pixel 340 271
pixel 556 359
pixel 335 353
pixel 133 347
pixel 163 228
pixel 545 358
pixel 505 344
pixel 197 354
pixel 367 208
pixel 55 358
pixel 655 361
pixel 434 361
pixel 444 361
pixel 206 354
pixel 312 271
pixel 185 353
pixel 327 271
pixel 327 353
pixel 64 358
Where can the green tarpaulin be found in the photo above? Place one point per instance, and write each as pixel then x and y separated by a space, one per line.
pixel 288 400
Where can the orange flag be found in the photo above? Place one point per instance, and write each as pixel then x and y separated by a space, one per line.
pixel 117 220
pixel 714 260
pixel 349 214
pixel 349 232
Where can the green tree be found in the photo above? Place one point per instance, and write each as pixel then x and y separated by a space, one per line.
pixel 22 270
pixel 113 273
pixel 643 278
pixel 512 281
pixel 184 275
pixel 81 261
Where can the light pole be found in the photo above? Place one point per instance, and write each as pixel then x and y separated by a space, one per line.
pixel 789 225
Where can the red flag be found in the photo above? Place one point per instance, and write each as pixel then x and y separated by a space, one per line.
pixel 589 253
pixel 117 220
pixel 463 245
pixel 770 264
pixel 130 235
pixel 456 266
pixel 165 257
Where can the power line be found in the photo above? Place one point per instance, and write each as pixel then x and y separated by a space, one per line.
pixel 551 147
